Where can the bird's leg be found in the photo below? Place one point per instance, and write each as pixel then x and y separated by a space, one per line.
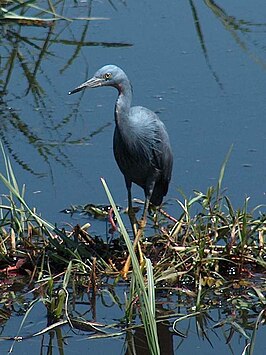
pixel 143 220
pixel 138 235
pixel 137 232
pixel 142 224
pixel 131 213
pixel 148 193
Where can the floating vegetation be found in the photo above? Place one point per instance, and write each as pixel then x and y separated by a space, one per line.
pixel 208 265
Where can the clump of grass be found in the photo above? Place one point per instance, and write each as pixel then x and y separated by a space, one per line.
pixel 213 241
pixel 211 255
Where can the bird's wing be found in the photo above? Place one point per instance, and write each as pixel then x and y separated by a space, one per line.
pixel 153 139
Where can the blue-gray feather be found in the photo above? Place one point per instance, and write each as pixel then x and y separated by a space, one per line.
pixel 143 152
pixel 141 144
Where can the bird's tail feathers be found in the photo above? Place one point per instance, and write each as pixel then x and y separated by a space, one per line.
pixel 159 191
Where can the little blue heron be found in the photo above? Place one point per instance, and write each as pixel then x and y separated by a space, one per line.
pixel 141 144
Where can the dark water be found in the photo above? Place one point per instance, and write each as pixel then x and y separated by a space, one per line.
pixel 199 64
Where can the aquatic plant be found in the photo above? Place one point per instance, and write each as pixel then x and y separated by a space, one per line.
pixel 212 255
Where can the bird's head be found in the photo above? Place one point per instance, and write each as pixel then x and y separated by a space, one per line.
pixel 109 75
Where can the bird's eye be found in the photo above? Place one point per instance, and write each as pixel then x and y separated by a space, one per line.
pixel 107 76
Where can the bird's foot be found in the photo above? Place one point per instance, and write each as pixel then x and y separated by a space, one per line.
pixel 138 234
pixel 132 215
pixel 125 270
pixel 142 223
pixel 133 220
pixel 136 245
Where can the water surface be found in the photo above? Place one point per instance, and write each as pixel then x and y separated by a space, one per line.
pixel 199 64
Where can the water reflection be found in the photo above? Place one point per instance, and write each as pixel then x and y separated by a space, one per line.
pixel 237 28
pixel 29 92
pixel 203 45
pixel 136 342
pixel 240 29
pixel 226 317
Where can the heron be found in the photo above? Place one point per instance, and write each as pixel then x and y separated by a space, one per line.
pixel 141 143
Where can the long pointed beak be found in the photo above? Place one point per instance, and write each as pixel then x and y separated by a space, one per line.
pixel 91 83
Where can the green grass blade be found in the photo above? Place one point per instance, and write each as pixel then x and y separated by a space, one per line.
pixel 151 287
pixel 16 193
pixel 147 310
pixel 221 176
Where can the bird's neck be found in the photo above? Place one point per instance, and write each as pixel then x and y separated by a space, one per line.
pixel 123 103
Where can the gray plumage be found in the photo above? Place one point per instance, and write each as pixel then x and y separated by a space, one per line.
pixel 141 144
